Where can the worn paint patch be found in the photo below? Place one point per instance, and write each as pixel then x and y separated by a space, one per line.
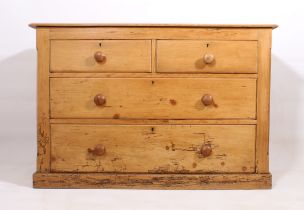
pixel 43 145
pixel 116 116
pixel 173 102
pixel 194 165
pixel 53 158
pixel 115 159
pixel 172 146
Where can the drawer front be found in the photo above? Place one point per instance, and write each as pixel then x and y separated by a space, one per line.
pixel 153 149
pixel 157 98
pixel 195 56
pixel 101 56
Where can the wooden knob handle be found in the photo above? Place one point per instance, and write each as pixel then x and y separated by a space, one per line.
pixel 100 100
pixel 206 150
pixel 207 99
pixel 98 150
pixel 99 57
pixel 208 58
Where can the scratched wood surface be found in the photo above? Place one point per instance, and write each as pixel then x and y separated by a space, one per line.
pixel 152 181
pixel 121 56
pixel 153 149
pixel 43 97
pixel 155 98
pixel 187 56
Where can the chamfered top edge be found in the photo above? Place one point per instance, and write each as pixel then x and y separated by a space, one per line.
pixel 61 25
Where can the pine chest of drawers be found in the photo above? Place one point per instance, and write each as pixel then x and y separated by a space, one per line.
pixel 153 106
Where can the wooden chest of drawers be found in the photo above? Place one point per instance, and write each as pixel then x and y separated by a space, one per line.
pixel 153 106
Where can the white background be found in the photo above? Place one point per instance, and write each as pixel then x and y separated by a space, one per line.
pixel 18 105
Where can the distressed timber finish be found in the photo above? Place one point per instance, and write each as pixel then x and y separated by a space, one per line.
pixel 153 106
pixel 135 147
pixel 152 181
pixel 43 110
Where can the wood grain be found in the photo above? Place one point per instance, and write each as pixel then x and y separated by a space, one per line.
pixel 263 101
pixel 153 122
pixel 154 58
pixel 153 33
pixel 187 56
pixel 160 98
pixel 150 75
pixel 152 181
pixel 121 55
pixel 43 126
pixel 135 148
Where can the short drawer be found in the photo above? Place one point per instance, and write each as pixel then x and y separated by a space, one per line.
pixel 153 149
pixel 101 56
pixel 198 56
pixel 153 98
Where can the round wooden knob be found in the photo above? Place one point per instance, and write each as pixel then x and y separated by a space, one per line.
pixel 206 150
pixel 100 100
pixel 207 99
pixel 99 57
pixel 98 150
pixel 208 58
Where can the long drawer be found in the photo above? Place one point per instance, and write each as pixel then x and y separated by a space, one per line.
pixel 153 98
pixel 153 148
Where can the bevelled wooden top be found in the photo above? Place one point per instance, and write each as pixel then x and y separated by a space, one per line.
pixel 35 25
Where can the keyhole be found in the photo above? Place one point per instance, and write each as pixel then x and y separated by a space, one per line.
pixel 99 44
pixel 207 45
